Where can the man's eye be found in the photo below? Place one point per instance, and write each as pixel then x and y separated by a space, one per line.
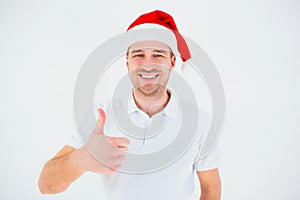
pixel 158 55
pixel 138 55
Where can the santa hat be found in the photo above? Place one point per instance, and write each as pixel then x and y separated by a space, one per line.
pixel 160 19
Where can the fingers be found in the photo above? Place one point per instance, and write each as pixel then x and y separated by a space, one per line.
pixel 101 120
pixel 123 149
pixel 115 161
pixel 119 141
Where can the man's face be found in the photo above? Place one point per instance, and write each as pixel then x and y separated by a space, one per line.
pixel 149 65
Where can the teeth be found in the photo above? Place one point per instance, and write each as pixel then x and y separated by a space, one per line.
pixel 145 76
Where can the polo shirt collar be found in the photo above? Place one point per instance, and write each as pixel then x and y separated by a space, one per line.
pixel 171 110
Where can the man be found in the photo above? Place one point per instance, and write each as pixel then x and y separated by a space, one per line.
pixel 149 65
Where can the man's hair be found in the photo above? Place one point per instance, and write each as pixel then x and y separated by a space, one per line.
pixel 171 52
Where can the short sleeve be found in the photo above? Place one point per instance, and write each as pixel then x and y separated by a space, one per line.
pixel 75 141
pixel 213 159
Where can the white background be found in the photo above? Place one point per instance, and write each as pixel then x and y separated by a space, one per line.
pixel 254 45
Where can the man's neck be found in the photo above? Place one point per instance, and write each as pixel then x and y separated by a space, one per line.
pixel 151 104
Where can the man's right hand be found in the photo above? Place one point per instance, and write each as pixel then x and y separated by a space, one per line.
pixel 103 154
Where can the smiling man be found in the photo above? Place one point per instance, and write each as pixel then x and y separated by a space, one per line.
pixel 150 64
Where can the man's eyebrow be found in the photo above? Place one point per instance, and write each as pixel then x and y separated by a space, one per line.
pixel 160 51
pixel 136 51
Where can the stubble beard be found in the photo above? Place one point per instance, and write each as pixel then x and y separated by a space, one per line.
pixel 153 89
pixel 156 92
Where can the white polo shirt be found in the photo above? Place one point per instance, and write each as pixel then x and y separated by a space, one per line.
pixel 174 182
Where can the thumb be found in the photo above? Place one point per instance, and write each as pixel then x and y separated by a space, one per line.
pixel 101 120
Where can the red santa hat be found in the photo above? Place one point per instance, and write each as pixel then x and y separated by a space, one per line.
pixel 163 20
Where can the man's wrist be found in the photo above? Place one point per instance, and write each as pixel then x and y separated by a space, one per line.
pixel 78 160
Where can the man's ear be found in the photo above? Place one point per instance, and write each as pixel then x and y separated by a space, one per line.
pixel 127 61
pixel 173 61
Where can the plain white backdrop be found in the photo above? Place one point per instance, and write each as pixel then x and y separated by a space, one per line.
pixel 254 45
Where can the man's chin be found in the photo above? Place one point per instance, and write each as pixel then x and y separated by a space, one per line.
pixel 150 91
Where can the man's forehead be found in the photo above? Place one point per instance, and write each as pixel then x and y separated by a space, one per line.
pixel 154 45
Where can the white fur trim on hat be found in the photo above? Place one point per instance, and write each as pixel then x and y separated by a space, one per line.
pixel 155 32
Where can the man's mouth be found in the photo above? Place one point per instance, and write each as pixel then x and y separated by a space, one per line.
pixel 148 76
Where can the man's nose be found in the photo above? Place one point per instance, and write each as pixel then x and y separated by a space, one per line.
pixel 147 59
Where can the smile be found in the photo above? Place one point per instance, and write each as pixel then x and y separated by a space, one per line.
pixel 148 76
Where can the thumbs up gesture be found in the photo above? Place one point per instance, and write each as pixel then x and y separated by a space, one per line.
pixel 107 153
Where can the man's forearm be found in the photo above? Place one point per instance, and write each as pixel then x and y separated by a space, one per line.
pixel 59 173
